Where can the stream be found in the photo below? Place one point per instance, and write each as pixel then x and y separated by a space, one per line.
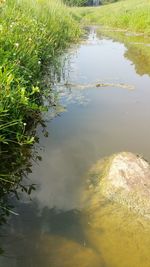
pixel 104 97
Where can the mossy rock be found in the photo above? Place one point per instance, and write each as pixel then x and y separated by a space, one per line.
pixel 123 178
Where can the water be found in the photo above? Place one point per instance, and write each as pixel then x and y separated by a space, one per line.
pixel 54 229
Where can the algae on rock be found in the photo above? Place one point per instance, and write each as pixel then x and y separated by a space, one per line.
pixel 122 178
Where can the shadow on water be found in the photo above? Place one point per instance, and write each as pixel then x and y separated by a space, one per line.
pixel 48 237
pixel 16 160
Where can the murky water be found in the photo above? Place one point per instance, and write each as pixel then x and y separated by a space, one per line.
pixel 106 91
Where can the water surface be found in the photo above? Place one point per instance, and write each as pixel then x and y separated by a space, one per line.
pixel 53 229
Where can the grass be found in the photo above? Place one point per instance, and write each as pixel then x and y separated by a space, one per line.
pixel 131 15
pixel 32 34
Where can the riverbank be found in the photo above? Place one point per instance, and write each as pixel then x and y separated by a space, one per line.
pixel 130 15
pixel 33 34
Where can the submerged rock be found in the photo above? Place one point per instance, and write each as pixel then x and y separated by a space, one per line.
pixel 123 178
pixel 119 236
pixel 117 208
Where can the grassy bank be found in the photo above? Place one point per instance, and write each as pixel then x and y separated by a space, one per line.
pixel 32 34
pixel 132 15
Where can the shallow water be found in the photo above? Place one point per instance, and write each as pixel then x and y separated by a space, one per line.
pixel 54 229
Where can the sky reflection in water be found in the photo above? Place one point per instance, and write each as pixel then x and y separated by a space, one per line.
pixel 52 230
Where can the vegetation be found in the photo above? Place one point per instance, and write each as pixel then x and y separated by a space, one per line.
pixel 108 1
pixel 132 15
pixel 33 33
pixel 86 2
pixel 76 2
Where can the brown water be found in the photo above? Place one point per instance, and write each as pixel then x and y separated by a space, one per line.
pixel 54 229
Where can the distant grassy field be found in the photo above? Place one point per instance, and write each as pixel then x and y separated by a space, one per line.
pixel 132 15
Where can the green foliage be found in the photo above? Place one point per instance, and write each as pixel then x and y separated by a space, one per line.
pixel 103 2
pixel 76 2
pixel 132 15
pixel 86 2
pixel 32 34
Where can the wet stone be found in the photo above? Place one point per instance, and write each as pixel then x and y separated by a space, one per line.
pixel 123 178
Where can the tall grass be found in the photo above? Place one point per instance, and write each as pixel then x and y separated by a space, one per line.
pixel 132 15
pixel 32 34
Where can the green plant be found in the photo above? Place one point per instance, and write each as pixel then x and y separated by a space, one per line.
pixel 32 35
pixel 131 15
